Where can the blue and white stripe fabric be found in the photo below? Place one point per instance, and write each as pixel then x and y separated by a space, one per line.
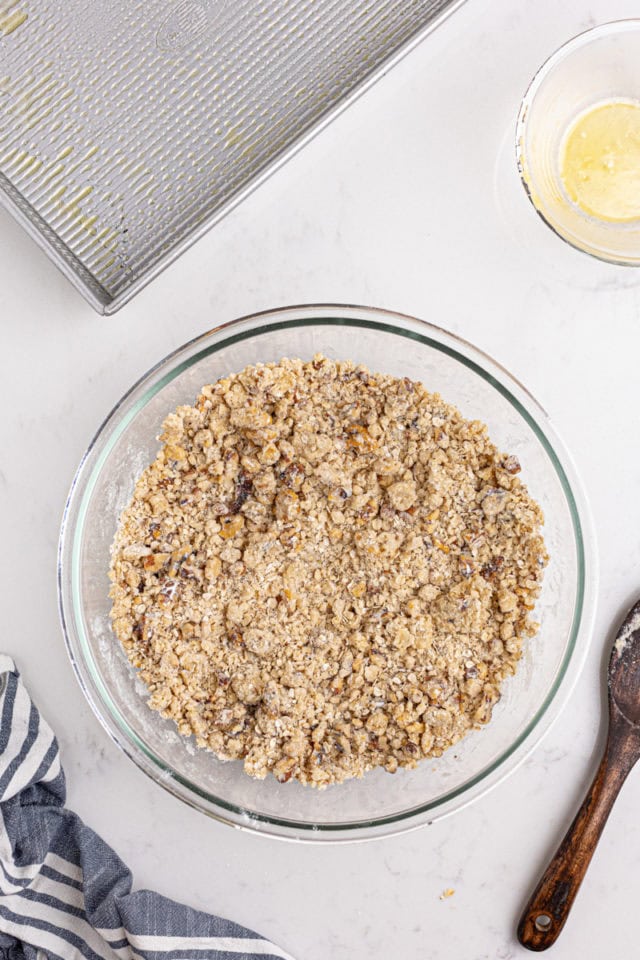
pixel 63 892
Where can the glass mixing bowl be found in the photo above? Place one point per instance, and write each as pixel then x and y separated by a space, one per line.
pixel 379 804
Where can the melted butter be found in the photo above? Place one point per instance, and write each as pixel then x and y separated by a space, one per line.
pixel 600 162
pixel 11 21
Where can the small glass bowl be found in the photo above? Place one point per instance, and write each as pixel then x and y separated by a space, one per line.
pixel 599 65
pixel 379 804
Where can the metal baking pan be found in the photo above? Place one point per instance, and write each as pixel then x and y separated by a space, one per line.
pixel 127 129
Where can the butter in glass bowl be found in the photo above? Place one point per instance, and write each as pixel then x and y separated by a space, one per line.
pixel 578 142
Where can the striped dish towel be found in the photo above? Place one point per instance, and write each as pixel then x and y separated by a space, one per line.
pixel 63 892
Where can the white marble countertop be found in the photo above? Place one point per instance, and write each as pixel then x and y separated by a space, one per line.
pixel 408 201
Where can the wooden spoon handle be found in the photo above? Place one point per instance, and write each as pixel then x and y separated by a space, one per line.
pixel 547 910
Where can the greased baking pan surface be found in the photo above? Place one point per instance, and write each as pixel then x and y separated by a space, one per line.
pixel 128 128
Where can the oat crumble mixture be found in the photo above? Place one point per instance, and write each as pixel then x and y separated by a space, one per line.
pixel 325 570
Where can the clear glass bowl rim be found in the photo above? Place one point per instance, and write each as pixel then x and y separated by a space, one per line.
pixel 213 340
pixel 581 39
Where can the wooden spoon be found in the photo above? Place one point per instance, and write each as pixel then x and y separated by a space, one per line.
pixel 549 906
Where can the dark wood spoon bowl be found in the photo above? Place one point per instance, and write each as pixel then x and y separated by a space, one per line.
pixel 549 906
